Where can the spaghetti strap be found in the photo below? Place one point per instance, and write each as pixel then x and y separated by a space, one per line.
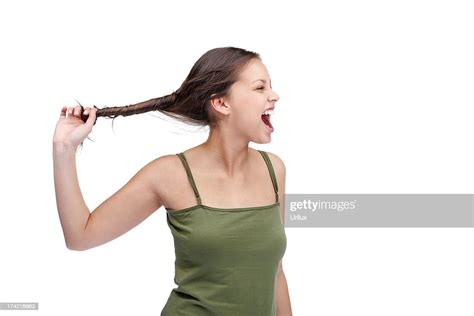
pixel 271 171
pixel 190 176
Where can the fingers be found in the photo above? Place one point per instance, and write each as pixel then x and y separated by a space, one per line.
pixel 92 117
pixel 63 112
pixel 88 115
pixel 90 111
pixel 70 111
pixel 75 111
pixel 67 111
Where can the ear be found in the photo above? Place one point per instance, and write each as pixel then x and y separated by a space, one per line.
pixel 219 104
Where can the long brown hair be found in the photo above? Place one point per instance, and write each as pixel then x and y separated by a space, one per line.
pixel 210 77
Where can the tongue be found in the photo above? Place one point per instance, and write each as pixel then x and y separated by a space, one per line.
pixel 266 120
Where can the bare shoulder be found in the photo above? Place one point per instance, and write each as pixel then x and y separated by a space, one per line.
pixel 280 174
pixel 277 163
pixel 163 163
pixel 158 166
pixel 162 170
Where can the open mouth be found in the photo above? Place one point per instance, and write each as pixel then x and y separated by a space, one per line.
pixel 266 118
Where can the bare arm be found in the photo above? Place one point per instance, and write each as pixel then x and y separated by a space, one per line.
pixel 125 209
pixel 73 212
pixel 283 304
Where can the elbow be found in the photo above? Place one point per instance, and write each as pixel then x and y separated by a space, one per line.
pixel 72 247
pixel 75 246
pixel 76 242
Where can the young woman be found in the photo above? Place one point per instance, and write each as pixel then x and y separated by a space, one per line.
pixel 224 200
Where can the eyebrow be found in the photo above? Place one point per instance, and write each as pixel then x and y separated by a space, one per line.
pixel 263 80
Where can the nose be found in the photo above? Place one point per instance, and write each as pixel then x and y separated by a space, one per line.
pixel 274 97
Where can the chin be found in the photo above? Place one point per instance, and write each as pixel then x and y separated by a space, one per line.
pixel 259 136
pixel 263 140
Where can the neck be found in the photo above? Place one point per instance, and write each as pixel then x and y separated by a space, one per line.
pixel 226 151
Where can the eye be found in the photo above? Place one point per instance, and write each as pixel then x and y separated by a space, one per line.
pixel 260 88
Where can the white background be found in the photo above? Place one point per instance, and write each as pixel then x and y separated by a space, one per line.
pixel 375 97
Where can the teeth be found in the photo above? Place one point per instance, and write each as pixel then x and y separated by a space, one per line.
pixel 270 112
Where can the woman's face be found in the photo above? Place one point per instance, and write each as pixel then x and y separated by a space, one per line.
pixel 249 97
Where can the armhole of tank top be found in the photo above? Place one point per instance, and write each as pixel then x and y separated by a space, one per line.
pixel 272 173
pixel 190 176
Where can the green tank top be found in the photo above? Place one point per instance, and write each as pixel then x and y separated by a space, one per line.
pixel 226 258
